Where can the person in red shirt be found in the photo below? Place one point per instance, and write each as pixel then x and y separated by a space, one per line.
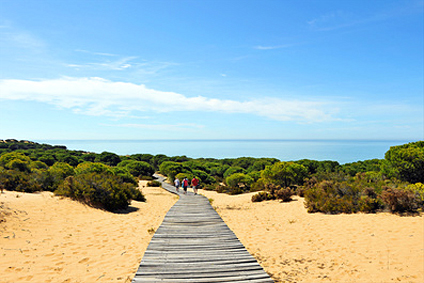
pixel 195 185
pixel 185 185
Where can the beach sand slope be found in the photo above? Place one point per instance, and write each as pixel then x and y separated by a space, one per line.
pixel 44 238
pixel 295 246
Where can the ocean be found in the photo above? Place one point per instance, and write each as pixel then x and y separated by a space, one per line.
pixel 343 151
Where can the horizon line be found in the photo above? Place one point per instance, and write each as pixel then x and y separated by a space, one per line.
pixel 229 139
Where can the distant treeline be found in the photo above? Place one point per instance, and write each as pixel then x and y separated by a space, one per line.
pixel 393 183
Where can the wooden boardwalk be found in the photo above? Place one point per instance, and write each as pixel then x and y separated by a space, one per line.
pixel 193 244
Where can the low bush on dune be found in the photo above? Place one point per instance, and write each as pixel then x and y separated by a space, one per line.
pixel 418 189
pixel 274 192
pixel 209 187
pixel 100 190
pixel 154 184
pixel 400 200
pixel 284 194
pixel 235 190
pixel 262 196
pixel 146 178
pixel 369 201
pixel 332 197
pixel 351 197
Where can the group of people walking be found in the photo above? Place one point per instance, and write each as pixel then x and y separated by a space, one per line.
pixel 185 184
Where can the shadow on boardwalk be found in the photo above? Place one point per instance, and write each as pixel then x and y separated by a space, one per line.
pixel 193 244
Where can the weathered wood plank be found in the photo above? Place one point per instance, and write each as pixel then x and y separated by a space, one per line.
pixel 193 244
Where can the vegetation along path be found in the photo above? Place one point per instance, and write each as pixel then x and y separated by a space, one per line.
pixel 193 244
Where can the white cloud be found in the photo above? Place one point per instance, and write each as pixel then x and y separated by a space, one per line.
pixel 114 62
pixel 95 53
pixel 12 37
pixel 97 96
pixel 162 127
pixel 117 65
pixel 341 19
pixel 335 20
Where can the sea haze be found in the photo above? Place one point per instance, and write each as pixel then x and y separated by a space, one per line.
pixel 343 151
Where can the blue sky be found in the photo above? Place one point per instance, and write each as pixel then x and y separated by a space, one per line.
pixel 212 69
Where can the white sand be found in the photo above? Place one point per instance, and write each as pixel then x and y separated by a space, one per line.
pixel 295 246
pixel 48 239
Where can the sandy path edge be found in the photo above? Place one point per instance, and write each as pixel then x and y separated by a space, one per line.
pixel 295 246
pixel 49 239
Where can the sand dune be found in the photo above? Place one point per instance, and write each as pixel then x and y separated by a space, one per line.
pixel 48 239
pixel 295 246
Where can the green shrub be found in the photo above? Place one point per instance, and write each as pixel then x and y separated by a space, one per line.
pixel 244 162
pixel 203 177
pixel 68 158
pixel 332 197
pixel 284 194
pixel 63 169
pixel 100 190
pixel 56 174
pixel 285 174
pixel 239 180
pixel 146 178
pixel 221 189
pixel 124 175
pixel 139 168
pixel 274 192
pixel 235 190
pixel 418 189
pixel 259 185
pixel 369 205
pixel 260 164
pixel 48 159
pixel 261 196
pixel 154 184
pixel 217 169
pixel 135 194
pixel 209 187
pixel 15 161
pixel 400 200
pixel 351 197
pixel 171 169
pixel 181 176
pixel 232 170
pixel 300 191
pixel 14 180
pixel 108 158
pixel 405 162
pixel 39 165
pixel 255 175
pixel 93 167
